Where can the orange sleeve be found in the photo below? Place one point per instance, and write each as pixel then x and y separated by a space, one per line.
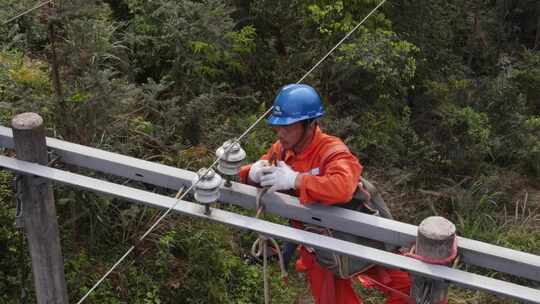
pixel 337 185
pixel 244 171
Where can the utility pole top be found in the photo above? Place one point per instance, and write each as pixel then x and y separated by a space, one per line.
pixel 26 121
pixel 437 228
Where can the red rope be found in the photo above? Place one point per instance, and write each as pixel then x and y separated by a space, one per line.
pixel 445 261
pixel 407 298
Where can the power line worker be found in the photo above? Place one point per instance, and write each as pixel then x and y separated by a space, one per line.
pixel 318 168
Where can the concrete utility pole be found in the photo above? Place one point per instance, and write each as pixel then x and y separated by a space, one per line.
pixel 39 212
pixel 435 241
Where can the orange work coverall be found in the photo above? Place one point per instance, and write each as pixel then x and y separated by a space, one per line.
pixel 333 182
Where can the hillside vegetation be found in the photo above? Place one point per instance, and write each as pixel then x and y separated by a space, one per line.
pixel 439 99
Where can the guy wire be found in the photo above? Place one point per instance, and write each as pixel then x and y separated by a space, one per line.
pixel 26 12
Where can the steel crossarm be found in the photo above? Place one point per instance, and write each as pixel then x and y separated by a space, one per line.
pixel 472 252
pixel 459 277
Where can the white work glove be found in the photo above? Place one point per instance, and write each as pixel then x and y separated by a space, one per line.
pixel 281 177
pixel 255 172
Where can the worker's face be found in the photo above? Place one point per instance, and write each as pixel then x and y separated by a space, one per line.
pixel 289 135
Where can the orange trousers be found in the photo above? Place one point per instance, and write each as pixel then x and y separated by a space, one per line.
pixel 329 289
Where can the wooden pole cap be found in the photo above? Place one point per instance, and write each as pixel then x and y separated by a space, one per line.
pixel 437 228
pixel 26 121
pixel 435 244
pixel 436 237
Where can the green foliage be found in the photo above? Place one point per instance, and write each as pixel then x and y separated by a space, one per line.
pixel 464 135
pixel 388 61
pixel 93 92
pixel 242 49
pixel 475 211
pixel 186 259
pixel 437 91
pixel 185 42
pixel 530 153
pixel 10 250
pixel 451 91
pixel 80 274
pixel 520 238
pixel 462 295
pixel 24 85
pixel 327 17
pixel 80 53
pixel 25 33
pixel 163 123
pixel 468 134
pixel 375 68
pixel 193 262
pixel 204 256
pixel 392 139
pixel 259 141
pixel 485 210
pixel 439 30
pixel 342 16
pixel 526 77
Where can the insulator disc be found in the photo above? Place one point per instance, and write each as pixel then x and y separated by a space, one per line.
pixel 207 189
pixel 230 156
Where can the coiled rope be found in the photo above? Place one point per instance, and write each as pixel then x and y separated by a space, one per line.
pixel 260 246
pixel 179 196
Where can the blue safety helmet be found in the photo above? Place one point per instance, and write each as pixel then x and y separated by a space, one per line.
pixel 294 103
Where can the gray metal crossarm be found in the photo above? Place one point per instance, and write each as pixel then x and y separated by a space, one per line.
pixel 459 277
pixel 392 232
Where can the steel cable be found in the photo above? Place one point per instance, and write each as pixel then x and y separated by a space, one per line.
pixel 26 12
pixel 179 197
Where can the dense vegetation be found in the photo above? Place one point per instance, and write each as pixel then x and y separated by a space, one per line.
pixel 439 99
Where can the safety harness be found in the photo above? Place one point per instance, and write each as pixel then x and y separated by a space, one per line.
pixel 344 266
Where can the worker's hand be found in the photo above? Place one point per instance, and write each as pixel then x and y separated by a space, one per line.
pixel 281 177
pixel 255 172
